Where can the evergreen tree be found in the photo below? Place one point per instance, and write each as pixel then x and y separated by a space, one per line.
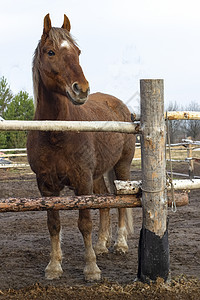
pixel 20 108
pixel 5 95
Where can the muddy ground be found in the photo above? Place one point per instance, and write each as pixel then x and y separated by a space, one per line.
pixel 25 247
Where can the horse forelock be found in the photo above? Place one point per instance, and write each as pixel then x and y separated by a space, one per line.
pixel 57 36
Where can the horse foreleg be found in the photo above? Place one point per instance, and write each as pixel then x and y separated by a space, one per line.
pixel 54 269
pixel 91 270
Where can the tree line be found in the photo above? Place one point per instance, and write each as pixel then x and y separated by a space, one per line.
pixel 14 107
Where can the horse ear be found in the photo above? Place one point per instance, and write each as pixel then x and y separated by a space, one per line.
pixel 47 24
pixel 66 23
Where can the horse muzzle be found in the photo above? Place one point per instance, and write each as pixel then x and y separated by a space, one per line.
pixel 79 93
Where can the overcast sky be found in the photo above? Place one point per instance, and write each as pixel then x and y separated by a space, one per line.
pixel 121 42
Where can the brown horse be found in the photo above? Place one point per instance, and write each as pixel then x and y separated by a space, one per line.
pixel 78 160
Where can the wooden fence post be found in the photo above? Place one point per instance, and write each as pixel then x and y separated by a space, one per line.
pixel 153 253
pixel 190 161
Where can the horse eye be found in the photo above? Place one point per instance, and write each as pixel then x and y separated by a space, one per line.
pixel 51 53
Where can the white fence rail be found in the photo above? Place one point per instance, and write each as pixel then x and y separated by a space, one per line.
pixel 87 126
pixel 16 166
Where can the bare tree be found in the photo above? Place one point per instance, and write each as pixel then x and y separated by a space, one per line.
pixel 176 127
pixel 193 126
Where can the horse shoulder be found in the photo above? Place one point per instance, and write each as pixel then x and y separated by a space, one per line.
pixel 113 107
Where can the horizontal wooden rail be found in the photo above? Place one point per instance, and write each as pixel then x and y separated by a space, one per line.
pixel 183 115
pixel 13 155
pixel 13 149
pixel 176 115
pixel 9 166
pixel 110 126
pixel 79 202
pixel 133 187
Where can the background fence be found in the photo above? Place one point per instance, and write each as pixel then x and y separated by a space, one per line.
pixel 187 151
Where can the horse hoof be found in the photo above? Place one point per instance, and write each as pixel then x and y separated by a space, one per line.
pixel 92 274
pixel 120 249
pixel 92 277
pixel 100 249
pixel 53 271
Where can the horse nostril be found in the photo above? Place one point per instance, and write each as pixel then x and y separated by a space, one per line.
pixel 76 88
pixel 88 91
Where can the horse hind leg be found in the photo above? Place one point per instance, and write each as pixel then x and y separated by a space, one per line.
pixel 104 233
pixel 125 216
pixel 121 245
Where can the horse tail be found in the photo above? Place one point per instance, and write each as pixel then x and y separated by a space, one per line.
pixel 110 175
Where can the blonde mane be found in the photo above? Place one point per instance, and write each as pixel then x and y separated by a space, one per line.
pixel 56 35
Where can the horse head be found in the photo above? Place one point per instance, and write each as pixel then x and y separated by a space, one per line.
pixel 57 62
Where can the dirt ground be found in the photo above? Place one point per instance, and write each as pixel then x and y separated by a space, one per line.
pixel 25 248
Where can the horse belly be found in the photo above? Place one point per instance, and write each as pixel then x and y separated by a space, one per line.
pixel 109 148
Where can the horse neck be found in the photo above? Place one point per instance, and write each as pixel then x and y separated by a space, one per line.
pixel 53 106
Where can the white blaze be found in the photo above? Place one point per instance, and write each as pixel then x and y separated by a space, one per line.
pixel 65 44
